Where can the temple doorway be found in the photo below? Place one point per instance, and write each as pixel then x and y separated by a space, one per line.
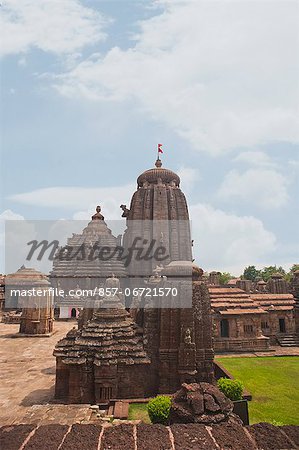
pixel 224 325
pixel 282 326
pixel 73 313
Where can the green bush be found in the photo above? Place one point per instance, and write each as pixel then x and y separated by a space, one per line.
pixel 233 389
pixel 159 409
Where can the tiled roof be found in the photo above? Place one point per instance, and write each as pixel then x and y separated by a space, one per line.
pixel 242 311
pixel 235 301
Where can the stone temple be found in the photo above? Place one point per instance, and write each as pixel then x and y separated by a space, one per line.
pixel 156 344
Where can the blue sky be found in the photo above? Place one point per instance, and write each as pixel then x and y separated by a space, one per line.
pixel 89 88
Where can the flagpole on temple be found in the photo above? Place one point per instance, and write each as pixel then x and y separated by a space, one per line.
pixel 159 151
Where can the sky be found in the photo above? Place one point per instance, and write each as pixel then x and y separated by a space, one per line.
pixel 88 89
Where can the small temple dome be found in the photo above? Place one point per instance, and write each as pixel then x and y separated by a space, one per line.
pixel 27 276
pixel 178 269
pixel 152 176
pixel 277 275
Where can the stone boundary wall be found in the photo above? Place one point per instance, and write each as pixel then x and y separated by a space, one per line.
pixel 128 436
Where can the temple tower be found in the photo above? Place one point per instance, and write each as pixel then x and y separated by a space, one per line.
pixel 277 284
pixel 83 265
pixel 177 329
pixel 159 214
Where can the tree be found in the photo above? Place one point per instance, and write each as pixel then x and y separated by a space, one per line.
pixel 251 273
pixel 225 277
pixel 267 272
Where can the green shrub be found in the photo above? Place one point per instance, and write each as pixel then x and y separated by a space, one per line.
pixel 159 409
pixel 233 389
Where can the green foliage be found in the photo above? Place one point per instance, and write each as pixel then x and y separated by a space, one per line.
pixel 267 272
pixel 232 389
pixel 251 273
pixel 225 277
pixel 159 409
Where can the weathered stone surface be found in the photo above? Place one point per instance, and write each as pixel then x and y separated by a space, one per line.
pixel 269 437
pixel 210 404
pixel 83 437
pixel 153 436
pixel 12 437
pixel 47 437
pixel 292 431
pixel 192 436
pixel 120 437
pixel 201 403
pixel 232 436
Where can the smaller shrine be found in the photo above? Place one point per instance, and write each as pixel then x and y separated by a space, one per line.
pixel 105 358
pixel 29 288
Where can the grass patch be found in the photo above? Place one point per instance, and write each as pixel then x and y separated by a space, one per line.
pixel 138 411
pixel 273 384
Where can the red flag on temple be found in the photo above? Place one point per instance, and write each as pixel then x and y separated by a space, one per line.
pixel 160 148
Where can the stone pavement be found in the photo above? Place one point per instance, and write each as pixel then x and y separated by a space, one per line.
pixel 27 378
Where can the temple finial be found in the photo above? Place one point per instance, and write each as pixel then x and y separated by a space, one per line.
pixel 158 163
pixel 98 215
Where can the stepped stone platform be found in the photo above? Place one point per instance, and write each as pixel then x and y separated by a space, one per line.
pixel 288 340
pixel 130 436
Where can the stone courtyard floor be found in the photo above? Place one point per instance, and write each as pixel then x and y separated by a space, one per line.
pixel 27 378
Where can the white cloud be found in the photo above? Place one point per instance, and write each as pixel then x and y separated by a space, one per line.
pixel 262 187
pixel 8 214
pixel 255 158
pixel 82 200
pixel 56 26
pixel 189 177
pixel 220 74
pixel 227 242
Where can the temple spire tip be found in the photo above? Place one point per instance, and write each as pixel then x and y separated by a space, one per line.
pixel 158 162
